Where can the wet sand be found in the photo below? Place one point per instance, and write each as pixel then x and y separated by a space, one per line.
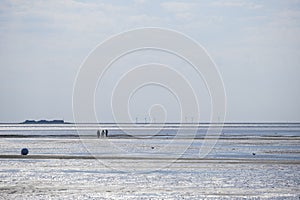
pixel 252 166
pixel 89 179
pixel 64 169
pixel 156 159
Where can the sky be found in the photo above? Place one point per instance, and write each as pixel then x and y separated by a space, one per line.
pixel 254 44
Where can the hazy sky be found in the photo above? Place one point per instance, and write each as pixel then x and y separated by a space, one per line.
pixel 255 44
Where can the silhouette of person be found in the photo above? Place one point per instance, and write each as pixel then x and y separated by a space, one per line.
pixel 106 133
pixel 98 133
pixel 102 133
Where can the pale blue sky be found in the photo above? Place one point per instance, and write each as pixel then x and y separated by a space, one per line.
pixel 255 44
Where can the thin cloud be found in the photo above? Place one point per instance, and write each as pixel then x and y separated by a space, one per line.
pixel 176 6
pixel 237 3
pixel 181 10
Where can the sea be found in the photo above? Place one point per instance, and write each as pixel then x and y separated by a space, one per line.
pixel 150 161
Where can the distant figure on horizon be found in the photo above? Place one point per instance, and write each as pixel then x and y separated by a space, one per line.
pixel 102 133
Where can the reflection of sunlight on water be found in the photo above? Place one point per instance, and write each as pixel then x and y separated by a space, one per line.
pixel 273 166
pixel 89 179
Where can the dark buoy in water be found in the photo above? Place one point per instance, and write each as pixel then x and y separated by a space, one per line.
pixel 24 151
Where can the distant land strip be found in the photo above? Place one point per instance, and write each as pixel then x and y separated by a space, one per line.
pixel 56 121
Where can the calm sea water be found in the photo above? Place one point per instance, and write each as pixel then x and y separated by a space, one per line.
pixel 171 129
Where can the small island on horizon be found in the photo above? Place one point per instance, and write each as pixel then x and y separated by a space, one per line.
pixel 56 121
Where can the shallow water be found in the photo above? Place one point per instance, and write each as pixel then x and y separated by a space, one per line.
pixel 78 179
pixel 247 161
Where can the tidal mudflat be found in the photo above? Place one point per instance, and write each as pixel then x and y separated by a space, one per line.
pixel 260 163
